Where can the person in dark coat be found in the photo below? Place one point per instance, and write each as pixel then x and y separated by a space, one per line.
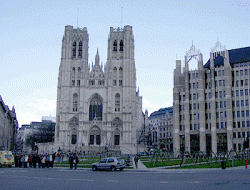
pixel 34 160
pixel 71 158
pixel 39 161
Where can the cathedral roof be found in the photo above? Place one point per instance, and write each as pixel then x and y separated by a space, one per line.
pixel 239 55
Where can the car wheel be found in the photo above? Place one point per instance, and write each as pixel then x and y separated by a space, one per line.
pixel 121 169
pixel 112 168
pixel 94 168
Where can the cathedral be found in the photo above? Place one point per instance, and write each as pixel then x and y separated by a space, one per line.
pixel 99 106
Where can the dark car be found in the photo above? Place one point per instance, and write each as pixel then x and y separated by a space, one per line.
pixel 111 163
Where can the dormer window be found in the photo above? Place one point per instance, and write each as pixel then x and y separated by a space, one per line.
pixel 115 46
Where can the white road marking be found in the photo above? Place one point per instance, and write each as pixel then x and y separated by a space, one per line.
pixel 113 181
pixel 163 182
pixel 194 182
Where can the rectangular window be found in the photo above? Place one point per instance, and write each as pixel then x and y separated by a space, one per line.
pixel 242 103
pixel 220 84
pixel 221 114
pixel 222 127
pixel 237 73
pixel 225 114
pixel 210 95
pixel 242 113
pixel 73 83
pixel 246 92
pixel 246 73
pixel 241 72
pixel 238 103
pixel 221 104
pixel 194 96
pixel 196 75
pixel 225 124
pixel 225 104
pixel 219 72
pixel 248 124
pixel 237 83
pixel 193 85
pixel 223 82
pixel 243 134
pixel 194 106
pixel 246 82
pixel 220 94
pixel 234 135
pixel 78 82
pixel 241 83
pixel 237 92
pixel 247 113
pixel 246 102
pixel 217 114
pixel 243 123
pixel 241 92
pixel 238 113
pixel 233 104
pixel 114 82
pixel 239 134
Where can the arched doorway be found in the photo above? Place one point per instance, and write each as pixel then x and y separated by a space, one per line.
pixel 117 129
pixel 95 136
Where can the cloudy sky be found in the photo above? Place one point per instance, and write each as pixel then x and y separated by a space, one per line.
pixel 31 34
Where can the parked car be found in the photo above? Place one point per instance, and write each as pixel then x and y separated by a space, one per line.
pixel 110 163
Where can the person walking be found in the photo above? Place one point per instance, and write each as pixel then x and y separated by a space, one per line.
pixel 136 160
pixel 43 161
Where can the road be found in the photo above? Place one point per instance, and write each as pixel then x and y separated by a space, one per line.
pixel 63 178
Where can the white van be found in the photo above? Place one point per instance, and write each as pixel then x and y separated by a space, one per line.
pixel 6 158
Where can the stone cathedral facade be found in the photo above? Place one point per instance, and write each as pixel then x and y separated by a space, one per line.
pixel 98 107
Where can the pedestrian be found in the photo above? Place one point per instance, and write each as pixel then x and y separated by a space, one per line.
pixel 39 161
pixel 26 159
pixel 71 161
pixel 136 160
pixel 30 161
pixel 43 161
pixel 47 162
pixel 34 160
pixel 76 161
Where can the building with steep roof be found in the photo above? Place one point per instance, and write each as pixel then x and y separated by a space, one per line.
pixel 160 128
pixel 98 107
pixel 211 103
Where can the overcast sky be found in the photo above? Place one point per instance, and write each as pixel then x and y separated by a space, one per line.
pixel 31 35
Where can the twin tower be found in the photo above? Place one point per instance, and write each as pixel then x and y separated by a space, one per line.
pixel 97 107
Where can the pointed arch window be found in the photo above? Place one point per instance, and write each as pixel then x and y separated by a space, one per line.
pixel 115 46
pixel 120 72
pixel 121 45
pixel 95 108
pixel 117 102
pixel 73 139
pixel 73 75
pixel 80 50
pixel 75 102
pixel 74 49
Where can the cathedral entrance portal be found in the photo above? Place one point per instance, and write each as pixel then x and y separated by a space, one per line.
pixel 95 136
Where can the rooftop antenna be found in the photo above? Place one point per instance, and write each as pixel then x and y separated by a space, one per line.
pixel 77 16
pixel 121 17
